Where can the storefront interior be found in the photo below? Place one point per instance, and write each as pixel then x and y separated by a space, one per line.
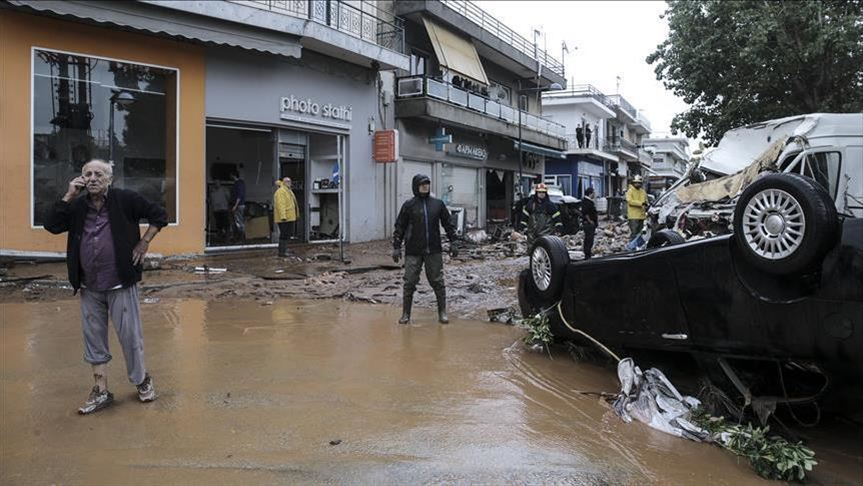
pixel 261 156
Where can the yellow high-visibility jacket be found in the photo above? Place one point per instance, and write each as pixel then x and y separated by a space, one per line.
pixel 635 201
pixel 284 204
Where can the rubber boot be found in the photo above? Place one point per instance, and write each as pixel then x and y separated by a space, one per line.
pixel 283 248
pixel 441 308
pixel 407 302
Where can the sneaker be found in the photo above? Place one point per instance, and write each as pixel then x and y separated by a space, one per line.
pixel 96 401
pixel 146 392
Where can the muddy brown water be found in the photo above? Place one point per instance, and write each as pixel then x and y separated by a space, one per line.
pixel 254 394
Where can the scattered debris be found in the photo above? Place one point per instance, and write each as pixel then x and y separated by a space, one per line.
pixel 209 269
pixel 505 315
pixel 151 300
pixel 335 442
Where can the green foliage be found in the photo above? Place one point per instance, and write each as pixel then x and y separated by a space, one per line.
pixel 538 330
pixel 771 456
pixel 742 62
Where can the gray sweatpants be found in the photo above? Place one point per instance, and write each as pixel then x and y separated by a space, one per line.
pixel 122 306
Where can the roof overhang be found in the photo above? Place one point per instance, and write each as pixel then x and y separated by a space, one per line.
pixel 148 18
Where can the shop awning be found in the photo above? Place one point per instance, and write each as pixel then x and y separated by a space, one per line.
pixel 455 52
pixel 139 16
pixel 538 150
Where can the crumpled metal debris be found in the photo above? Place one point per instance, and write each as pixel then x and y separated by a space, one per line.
pixel 650 398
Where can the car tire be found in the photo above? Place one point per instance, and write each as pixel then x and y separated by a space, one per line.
pixel 784 223
pixel 665 237
pixel 548 260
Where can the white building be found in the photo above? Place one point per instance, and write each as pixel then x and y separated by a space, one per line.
pixel 670 158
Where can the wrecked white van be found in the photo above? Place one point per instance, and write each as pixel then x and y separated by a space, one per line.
pixel 826 147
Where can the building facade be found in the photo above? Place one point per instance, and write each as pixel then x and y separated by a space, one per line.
pixel 181 95
pixel 604 135
pixel 670 159
pixel 468 110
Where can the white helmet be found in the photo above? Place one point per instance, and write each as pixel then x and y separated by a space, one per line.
pixel 637 179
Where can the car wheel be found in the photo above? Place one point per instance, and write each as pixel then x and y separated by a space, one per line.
pixel 784 223
pixel 664 237
pixel 548 261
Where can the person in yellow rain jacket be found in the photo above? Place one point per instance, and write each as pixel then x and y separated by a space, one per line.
pixel 285 213
pixel 636 207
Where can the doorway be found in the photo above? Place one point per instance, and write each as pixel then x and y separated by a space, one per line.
pixel 248 153
pixel 499 189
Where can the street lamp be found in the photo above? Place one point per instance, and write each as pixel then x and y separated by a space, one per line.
pixel 522 101
pixel 120 98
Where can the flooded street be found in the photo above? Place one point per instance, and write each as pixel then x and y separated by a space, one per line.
pixel 323 391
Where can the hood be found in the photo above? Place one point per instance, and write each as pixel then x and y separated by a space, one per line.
pixel 417 181
pixel 278 183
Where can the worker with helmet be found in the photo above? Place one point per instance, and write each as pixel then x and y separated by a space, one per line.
pixel 636 206
pixel 540 216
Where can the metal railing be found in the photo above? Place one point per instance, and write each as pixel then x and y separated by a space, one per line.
pixel 622 144
pixel 342 16
pixel 624 105
pixel 487 22
pixel 581 91
pixel 420 86
pixel 595 143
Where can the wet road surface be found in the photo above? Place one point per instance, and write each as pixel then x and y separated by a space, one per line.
pixel 252 393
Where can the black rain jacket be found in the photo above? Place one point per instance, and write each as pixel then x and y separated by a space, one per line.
pixel 419 221
pixel 125 209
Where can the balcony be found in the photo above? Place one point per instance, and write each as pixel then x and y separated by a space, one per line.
pixel 360 34
pixel 366 23
pixel 625 107
pixel 597 147
pixel 493 39
pixel 584 95
pixel 424 97
pixel 626 150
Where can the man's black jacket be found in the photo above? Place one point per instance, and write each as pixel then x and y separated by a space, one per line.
pixel 419 221
pixel 125 210
pixel 588 210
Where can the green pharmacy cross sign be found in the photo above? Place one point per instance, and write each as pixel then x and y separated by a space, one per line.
pixel 440 139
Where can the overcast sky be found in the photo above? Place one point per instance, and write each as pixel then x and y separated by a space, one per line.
pixel 605 40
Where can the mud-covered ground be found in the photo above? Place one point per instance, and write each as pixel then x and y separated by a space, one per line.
pixel 481 278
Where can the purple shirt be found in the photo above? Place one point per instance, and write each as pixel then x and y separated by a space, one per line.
pixel 97 249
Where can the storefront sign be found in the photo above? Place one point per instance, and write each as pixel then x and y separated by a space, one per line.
pixel 309 107
pixel 386 146
pixel 469 151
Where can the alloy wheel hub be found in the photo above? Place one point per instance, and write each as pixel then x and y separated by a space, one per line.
pixel 540 265
pixel 773 224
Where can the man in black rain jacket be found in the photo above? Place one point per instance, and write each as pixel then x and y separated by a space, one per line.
pixel 418 225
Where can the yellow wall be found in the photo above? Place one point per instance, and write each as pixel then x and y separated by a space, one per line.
pixel 18 33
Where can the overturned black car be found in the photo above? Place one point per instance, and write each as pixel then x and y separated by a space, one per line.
pixel 783 292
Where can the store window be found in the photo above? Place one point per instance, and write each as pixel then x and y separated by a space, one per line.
pixel 87 107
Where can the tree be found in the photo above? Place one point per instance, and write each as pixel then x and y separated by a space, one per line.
pixel 740 62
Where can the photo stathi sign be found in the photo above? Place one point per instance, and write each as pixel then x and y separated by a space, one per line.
pixel 386 146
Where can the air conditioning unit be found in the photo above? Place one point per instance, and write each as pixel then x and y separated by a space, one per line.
pixel 410 86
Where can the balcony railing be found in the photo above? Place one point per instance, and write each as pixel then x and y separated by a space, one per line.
pixel 342 16
pixel 581 91
pixel 624 105
pixel 487 22
pixel 595 143
pixel 622 144
pixel 419 86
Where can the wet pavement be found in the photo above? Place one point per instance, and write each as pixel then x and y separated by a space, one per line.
pixel 252 393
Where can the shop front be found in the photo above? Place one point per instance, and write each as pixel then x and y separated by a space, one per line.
pixel 73 92
pixel 476 174
pixel 271 118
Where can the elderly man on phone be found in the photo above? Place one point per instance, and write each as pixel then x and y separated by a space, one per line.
pixel 104 254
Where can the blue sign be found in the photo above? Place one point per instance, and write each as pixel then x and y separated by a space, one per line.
pixel 440 139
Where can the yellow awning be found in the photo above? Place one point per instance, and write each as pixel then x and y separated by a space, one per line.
pixel 455 52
